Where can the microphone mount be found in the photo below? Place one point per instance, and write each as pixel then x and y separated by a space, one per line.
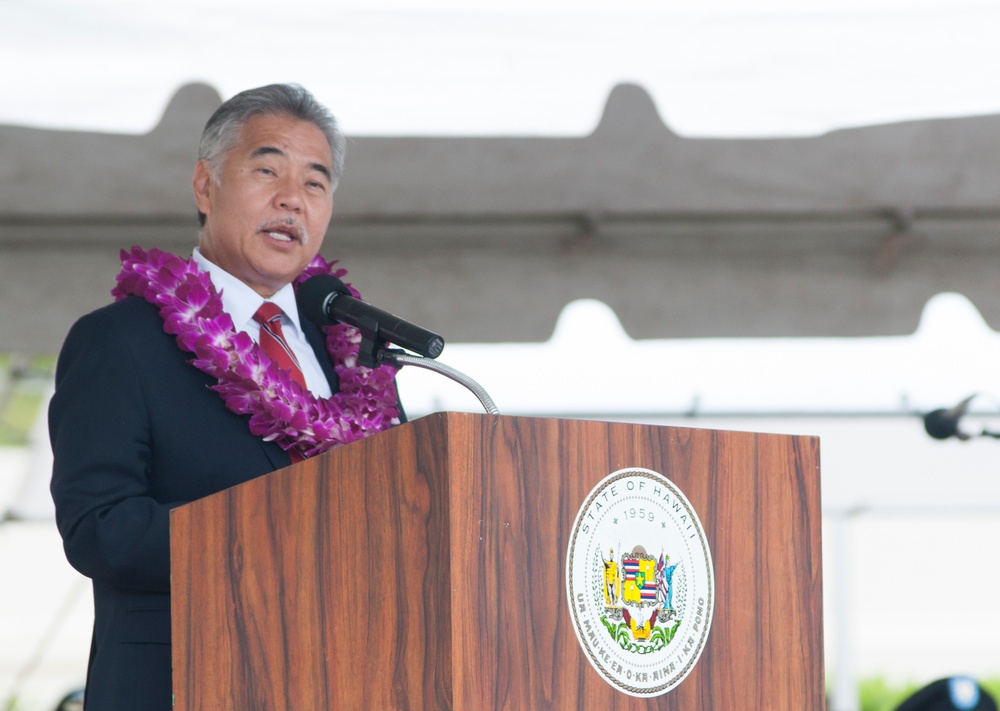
pixel 399 358
pixel 374 352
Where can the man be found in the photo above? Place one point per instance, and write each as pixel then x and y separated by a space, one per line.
pixel 162 397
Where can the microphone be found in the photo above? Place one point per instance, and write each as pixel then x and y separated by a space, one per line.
pixel 325 300
pixel 943 422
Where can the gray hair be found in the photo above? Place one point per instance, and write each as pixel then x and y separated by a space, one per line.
pixel 223 129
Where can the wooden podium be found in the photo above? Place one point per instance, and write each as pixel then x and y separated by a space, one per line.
pixel 424 568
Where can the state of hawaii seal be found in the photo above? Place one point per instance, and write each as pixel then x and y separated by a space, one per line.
pixel 640 582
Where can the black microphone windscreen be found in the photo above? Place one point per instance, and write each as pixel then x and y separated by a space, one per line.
pixel 313 295
pixel 941 424
pixel 325 300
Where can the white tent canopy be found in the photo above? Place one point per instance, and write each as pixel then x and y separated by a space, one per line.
pixel 486 239
pixel 494 175
pixel 720 68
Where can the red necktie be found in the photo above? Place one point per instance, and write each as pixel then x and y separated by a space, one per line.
pixel 273 343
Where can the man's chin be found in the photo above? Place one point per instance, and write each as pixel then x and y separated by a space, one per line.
pixel 280 274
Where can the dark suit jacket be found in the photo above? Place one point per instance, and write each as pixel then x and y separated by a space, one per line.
pixel 135 432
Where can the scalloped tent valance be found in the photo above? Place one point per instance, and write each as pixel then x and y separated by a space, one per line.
pixel 486 239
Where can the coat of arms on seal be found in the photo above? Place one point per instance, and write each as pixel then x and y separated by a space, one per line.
pixel 640 582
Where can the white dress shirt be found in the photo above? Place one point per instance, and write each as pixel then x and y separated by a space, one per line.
pixel 241 303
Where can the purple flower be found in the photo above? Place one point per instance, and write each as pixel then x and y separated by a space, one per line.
pixel 281 410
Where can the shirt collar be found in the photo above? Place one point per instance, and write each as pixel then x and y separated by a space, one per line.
pixel 240 301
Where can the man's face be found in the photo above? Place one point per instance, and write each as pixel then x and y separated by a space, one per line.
pixel 266 217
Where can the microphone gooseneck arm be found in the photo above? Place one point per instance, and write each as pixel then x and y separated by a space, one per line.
pixel 398 358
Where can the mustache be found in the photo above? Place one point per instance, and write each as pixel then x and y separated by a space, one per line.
pixel 297 228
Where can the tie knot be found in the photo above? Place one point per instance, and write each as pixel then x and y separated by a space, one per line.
pixel 273 344
pixel 268 312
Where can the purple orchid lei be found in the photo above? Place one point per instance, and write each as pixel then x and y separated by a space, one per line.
pixel 250 384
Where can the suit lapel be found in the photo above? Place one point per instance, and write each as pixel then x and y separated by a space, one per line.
pixel 278 457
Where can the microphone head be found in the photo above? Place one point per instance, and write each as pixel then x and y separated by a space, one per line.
pixel 315 293
pixel 941 424
pixel 320 299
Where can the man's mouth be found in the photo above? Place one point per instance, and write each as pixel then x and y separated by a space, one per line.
pixel 289 231
pixel 280 236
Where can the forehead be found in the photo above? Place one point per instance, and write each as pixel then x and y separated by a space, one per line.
pixel 299 141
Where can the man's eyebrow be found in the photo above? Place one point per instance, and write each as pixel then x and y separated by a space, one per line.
pixel 319 167
pixel 266 151
pixel 271 150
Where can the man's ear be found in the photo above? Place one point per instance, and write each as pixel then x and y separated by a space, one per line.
pixel 203 183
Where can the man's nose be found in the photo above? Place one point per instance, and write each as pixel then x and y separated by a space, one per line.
pixel 289 196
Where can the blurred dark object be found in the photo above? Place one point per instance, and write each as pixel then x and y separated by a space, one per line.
pixel 955 693
pixel 73 701
pixel 943 423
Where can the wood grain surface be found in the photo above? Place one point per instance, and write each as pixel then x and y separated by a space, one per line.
pixel 424 568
